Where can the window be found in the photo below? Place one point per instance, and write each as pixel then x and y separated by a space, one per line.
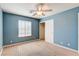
pixel 24 28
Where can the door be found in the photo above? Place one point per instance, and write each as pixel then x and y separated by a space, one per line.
pixel 1 32
pixel 42 31
pixel 78 32
pixel 49 31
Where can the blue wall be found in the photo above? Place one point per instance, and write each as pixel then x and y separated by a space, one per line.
pixel 10 28
pixel 1 29
pixel 65 27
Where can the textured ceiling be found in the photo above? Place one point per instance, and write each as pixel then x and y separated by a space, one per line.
pixel 24 8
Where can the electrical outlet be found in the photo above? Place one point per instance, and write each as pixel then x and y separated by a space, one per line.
pixel 11 41
pixel 68 44
pixel 61 42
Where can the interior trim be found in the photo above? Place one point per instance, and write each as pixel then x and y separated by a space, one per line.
pixel 1 51
pixel 66 48
pixel 78 32
pixel 19 43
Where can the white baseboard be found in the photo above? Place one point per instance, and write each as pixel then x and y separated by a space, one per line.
pixel 1 50
pixel 66 48
pixel 14 44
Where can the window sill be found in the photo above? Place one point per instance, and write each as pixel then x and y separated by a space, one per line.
pixel 24 36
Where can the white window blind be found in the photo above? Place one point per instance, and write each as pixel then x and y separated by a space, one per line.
pixel 24 28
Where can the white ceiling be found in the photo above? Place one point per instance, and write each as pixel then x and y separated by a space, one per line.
pixel 24 8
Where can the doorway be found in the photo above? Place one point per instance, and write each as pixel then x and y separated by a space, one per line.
pixel 78 32
pixel 47 31
pixel 42 31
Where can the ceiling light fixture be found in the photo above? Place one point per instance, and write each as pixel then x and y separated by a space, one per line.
pixel 41 8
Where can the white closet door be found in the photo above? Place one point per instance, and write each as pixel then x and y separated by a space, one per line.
pixel 49 31
pixel 78 32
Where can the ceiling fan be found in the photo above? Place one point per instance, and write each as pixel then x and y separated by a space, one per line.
pixel 41 9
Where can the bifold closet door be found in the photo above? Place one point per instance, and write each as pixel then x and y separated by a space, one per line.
pixel 49 31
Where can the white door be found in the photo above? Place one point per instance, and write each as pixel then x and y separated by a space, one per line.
pixel 49 31
pixel 78 32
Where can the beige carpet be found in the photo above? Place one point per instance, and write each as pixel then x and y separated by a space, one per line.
pixel 37 48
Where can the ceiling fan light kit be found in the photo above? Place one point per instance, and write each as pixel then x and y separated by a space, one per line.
pixel 41 9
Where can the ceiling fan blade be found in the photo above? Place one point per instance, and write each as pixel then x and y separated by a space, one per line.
pixel 34 14
pixel 33 11
pixel 43 14
pixel 42 10
pixel 47 10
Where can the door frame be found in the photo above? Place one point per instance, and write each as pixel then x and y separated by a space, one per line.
pixel 78 32
pixel 43 29
pixel 53 27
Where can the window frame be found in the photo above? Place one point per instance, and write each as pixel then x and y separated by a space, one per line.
pixel 20 25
